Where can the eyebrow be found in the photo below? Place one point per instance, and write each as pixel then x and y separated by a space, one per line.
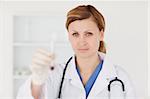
pixel 84 31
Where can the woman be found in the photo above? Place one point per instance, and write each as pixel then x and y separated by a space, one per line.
pixel 89 74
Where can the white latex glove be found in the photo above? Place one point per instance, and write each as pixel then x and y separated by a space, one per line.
pixel 40 66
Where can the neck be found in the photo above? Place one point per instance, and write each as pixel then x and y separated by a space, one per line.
pixel 87 64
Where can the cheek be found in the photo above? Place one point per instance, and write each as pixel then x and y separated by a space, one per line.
pixel 95 44
pixel 73 42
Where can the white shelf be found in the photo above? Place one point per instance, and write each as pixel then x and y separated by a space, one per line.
pixel 19 77
pixel 28 44
pixel 31 44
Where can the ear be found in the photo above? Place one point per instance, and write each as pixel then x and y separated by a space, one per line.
pixel 101 35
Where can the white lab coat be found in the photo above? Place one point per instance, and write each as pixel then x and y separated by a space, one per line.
pixel 73 87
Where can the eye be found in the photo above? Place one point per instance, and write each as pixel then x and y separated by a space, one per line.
pixel 75 34
pixel 89 34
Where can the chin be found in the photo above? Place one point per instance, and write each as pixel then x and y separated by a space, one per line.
pixel 84 55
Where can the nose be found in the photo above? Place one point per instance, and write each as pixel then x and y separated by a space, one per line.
pixel 82 40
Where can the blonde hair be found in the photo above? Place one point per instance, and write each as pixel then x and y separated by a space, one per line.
pixel 86 11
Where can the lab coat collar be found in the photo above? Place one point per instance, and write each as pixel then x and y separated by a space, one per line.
pixel 106 74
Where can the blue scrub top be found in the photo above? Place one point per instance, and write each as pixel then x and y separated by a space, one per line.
pixel 92 78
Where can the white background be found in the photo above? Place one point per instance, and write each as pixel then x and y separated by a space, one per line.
pixel 126 35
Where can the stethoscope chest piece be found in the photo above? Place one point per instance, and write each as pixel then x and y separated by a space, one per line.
pixel 116 80
pixel 116 85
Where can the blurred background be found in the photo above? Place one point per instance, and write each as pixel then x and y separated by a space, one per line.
pixel 26 26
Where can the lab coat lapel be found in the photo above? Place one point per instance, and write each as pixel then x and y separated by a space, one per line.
pixel 72 75
pixel 102 81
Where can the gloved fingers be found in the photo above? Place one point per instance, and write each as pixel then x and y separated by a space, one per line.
pixel 41 55
pixel 40 63
pixel 41 58
pixel 36 68
pixel 45 52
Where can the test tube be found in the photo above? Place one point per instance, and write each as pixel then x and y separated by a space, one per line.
pixel 53 38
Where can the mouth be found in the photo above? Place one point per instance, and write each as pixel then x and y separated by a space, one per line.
pixel 83 50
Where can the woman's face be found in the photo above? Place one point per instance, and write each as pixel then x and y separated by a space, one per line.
pixel 85 37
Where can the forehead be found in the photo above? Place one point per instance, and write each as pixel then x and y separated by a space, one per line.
pixel 83 25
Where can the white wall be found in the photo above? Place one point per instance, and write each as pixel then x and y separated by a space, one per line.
pixel 148 49
pixel 5 56
pixel 126 33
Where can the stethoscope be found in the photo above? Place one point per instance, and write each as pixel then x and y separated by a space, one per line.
pixel 109 85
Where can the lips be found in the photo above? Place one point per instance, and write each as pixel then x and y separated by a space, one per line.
pixel 83 49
